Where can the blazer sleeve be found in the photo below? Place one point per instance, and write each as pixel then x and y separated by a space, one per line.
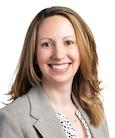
pixel 9 127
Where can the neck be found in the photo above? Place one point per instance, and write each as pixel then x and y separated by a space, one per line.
pixel 58 95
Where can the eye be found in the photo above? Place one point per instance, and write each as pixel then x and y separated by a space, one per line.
pixel 69 42
pixel 47 44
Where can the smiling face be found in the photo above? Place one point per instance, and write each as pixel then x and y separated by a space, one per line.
pixel 57 52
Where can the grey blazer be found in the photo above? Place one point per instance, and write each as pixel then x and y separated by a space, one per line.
pixel 31 116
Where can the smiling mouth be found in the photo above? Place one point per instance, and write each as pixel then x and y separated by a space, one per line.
pixel 60 67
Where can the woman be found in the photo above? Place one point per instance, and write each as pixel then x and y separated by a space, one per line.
pixel 56 91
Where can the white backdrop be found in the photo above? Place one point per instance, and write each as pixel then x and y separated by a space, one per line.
pixel 15 17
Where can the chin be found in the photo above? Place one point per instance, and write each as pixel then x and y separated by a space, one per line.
pixel 60 80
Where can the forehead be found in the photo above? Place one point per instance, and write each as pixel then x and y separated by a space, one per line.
pixel 56 25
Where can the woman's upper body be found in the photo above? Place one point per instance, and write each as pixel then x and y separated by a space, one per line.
pixel 32 116
pixel 59 52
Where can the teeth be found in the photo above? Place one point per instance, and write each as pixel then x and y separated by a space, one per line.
pixel 62 66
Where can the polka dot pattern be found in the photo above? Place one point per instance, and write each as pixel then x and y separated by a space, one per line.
pixel 67 127
pixel 69 130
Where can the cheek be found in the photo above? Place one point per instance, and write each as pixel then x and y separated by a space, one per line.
pixel 75 54
pixel 42 57
pixel 39 57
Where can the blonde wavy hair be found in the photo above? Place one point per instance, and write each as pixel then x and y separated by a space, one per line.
pixel 85 83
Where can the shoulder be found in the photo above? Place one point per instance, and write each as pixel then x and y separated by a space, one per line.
pixel 12 116
pixel 16 109
pixel 105 128
pixel 100 131
pixel 22 105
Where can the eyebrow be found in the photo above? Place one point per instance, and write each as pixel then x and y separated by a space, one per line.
pixel 69 36
pixel 52 39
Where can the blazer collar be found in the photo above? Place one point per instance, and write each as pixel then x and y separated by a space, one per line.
pixel 96 132
pixel 85 116
pixel 46 121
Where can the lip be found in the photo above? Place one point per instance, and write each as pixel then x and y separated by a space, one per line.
pixel 60 67
pixel 59 63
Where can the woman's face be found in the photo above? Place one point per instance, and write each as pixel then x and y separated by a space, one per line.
pixel 57 52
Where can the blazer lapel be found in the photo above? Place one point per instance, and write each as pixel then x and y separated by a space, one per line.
pixel 96 132
pixel 46 121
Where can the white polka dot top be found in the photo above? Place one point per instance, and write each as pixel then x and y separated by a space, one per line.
pixel 67 127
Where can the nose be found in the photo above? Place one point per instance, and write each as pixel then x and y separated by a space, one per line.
pixel 59 52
